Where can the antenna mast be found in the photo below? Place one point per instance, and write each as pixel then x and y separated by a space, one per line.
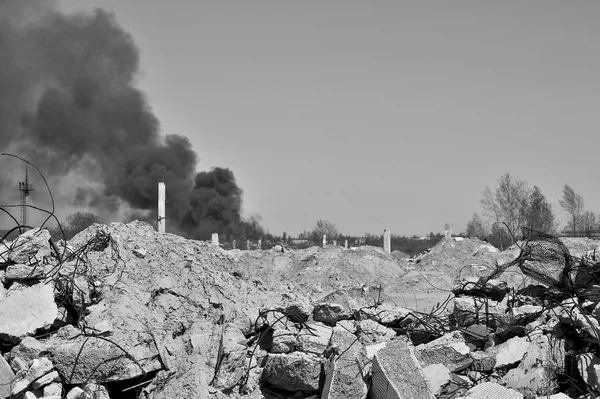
pixel 25 188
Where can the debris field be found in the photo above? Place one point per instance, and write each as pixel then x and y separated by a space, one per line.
pixel 121 311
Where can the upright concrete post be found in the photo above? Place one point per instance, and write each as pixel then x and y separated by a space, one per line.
pixel 260 243
pixel 334 242
pixel 346 244
pixel 161 207
pixel 387 241
pixel 215 238
pixel 324 239
pixel 248 245
pixel 448 230
pixel 233 244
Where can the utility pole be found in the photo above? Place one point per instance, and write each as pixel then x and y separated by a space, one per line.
pixel 25 188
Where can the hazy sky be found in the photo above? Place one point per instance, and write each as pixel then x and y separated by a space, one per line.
pixel 373 115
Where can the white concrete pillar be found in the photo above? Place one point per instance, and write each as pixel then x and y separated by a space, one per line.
pixel 334 242
pixel 161 207
pixel 448 230
pixel 260 243
pixel 248 244
pixel 346 244
pixel 215 238
pixel 387 241
pixel 324 239
pixel 233 244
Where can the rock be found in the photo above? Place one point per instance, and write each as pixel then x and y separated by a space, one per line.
pixel 537 372
pixel 314 338
pixel 140 252
pixel 436 375
pixel 449 350
pixel 493 289
pixel 30 247
pixel 589 369
pixel 370 332
pixel 483 361
pixel 396 371
pixel 331 312
pixel 346 371
pixel 473 310
pixel 6 376
pixel 24 272
pixel 510 352
pixel 457 386
pixel 76 393
pixel 26 309
pixel 37 369
pixel 54 389
pixel 45 380
pixel 19 365
pixel 476 336
pixel 31 395
pixel 523 314
pixel 296 371
pixel 488 390
pixel 96 391
pixel 386 314
pixel 28 349
pixel 283 341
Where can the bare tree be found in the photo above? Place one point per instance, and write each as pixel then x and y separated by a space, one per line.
pixel 572 203
pixel 508 203
pixel 588 224
pixel 324 227
pixel 475 227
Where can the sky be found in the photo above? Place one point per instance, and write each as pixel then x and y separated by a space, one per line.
pixel 375 115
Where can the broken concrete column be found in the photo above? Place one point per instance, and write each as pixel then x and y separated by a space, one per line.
pixel 324 239
pixel 448 230
pixel 397 373
pixel 161 207
pixel 215 238
pixel 346 244
pixel 387 241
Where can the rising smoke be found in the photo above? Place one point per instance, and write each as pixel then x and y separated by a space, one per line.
pixel 68 103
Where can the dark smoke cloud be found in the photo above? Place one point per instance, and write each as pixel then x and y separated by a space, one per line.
pixel 69 104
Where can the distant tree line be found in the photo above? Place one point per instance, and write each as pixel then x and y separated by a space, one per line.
pixel 514 205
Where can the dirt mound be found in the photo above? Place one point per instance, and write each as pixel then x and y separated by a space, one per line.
pixel 316 271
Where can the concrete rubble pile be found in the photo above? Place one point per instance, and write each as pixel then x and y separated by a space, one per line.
pixel 125 312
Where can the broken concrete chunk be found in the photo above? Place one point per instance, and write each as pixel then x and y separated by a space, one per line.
pixel 472 310
pixel 386 314
pixel 331 312
pixel 28 349
pixel 38 368
pixel 24 272
pixel 493 289
pixel 62 319
pixel 589 369
pixel 510 352
pixel 76 393
pixel 449 350
pixel 537 372
pixel 96 391
pixel 54 389
pixel 284 340
pixel 30 247
pixel 45 380
pixel 488 390
pixel 26 309
pixel 6 377
pixel 314 338
pixel 522 314
pixel 294 372
pixel 437 376
pixel 371 332
pixel 81 297
pixel 397 373
pixel 347 369
pixel 140 252
pixel 483 361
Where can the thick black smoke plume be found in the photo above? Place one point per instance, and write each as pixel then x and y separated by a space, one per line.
pixel 69 104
